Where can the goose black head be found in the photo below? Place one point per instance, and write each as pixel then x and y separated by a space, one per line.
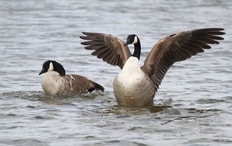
pixel 51 65
pixel 131 39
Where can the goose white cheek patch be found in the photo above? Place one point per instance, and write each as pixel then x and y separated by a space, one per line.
pixel 51 68
pixel 135 40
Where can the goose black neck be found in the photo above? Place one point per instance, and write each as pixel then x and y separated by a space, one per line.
pixel 137 49
pixel 59 68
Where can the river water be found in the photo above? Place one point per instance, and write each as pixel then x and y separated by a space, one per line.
pixel 192 107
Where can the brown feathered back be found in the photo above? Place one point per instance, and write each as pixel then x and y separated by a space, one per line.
pixel 80 84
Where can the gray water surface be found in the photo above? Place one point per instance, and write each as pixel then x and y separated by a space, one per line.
pixel 192 107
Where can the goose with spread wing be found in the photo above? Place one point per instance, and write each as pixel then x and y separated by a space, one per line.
pixel 135 85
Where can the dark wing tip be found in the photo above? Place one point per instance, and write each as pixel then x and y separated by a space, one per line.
pixel 212 31
pixel 82 37
pixel 96 87
pixel 87 33
pixel 99 87
pixel 92 33
pixel 84 33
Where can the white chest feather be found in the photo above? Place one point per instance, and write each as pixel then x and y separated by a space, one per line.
pixel 51 82
pixel 131 75
pixel 132 86
pixel 132 66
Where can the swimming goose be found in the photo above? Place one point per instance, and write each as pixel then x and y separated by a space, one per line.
pixel 135 85
pixel 55 82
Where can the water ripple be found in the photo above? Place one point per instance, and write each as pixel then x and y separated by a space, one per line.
pixel 192 106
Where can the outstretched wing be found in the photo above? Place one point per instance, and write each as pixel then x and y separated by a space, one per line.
pixel 178 47
pixel 106 47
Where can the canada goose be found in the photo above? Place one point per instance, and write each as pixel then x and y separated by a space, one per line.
pixel 135 85
pixel 55 82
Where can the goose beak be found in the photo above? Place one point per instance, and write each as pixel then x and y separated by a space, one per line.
pixel 126 44
pixel 42 71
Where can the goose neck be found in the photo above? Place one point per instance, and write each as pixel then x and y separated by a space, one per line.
pixel 137 49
